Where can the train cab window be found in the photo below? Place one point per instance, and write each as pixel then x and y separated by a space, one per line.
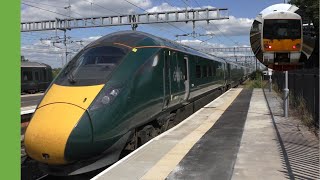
pixel 198 71
pixel 282 29
pixel 91 66
pixel 27 76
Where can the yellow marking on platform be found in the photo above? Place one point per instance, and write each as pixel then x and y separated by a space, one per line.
pixel 168 162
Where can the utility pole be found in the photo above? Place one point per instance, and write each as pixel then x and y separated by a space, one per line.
pixel 65 44
pixel 62 40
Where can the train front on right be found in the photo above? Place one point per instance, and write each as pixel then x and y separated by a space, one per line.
pixel 281 37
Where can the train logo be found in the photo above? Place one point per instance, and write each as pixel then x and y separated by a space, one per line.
pixel 177 74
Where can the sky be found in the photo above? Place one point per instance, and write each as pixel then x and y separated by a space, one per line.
pixel 39 47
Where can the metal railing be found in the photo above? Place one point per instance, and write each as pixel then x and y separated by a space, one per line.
pixel 304 83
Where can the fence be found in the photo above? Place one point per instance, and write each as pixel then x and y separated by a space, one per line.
pixel 303 83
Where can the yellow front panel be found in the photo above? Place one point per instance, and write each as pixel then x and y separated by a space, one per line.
pixel 49 130
pixel 284 45
pixel 54 119
pixel 79 95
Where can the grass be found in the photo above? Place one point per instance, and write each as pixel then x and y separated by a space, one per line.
pixel 255 81
pixel 298 108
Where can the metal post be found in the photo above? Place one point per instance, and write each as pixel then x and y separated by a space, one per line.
pixel 65 44
pixel 285 96
pixel 256 63
pixel 270 83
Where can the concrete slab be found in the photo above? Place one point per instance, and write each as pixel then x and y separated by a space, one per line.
pixel 259 156
pixel 214 155
pixel 27 110
pixel 299 147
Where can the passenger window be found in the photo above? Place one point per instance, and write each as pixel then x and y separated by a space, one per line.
pixel 166 63
pixel 214 70
pixel 198 71
pixel 27 76
pixel 36 74
pixel 44 75
pixel 185 68
pixel 204 70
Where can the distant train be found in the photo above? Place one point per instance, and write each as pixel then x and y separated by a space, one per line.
pixel 281 37
pixel 35 77
pixel 119 92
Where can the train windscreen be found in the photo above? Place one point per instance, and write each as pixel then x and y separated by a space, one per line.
pixel 282 29
pixel 91 66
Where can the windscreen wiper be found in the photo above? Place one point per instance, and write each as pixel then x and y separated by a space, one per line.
pixel 71 78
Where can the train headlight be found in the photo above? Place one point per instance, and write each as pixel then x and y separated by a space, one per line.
pixel 105 100
pixel 105 97
pixel 267 46
pixel 297 46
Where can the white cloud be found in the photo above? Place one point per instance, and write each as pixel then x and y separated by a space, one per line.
pixel 198 44
pixel 230 27
pixel 45 52
pixel 80 8
pixel 54 55
pixel 233 26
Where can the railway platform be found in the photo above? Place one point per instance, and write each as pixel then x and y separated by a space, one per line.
pixel 239 135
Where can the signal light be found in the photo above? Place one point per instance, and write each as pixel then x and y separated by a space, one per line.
pixel 294 47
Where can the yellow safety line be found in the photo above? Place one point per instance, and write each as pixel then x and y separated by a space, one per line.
pixel 168 162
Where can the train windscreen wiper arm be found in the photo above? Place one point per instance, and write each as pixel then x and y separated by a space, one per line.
pixel 71 78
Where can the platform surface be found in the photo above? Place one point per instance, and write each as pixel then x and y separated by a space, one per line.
pixel 235 136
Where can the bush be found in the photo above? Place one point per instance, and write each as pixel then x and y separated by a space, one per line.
pixel 55 72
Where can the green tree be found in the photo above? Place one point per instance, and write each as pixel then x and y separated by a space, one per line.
pixel 55 72
pixel 310 9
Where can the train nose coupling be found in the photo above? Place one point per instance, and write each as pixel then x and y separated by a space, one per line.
pixel 45 156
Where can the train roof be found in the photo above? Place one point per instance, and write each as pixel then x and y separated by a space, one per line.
pixel 281 15
pixel 34 64
pixel 133 38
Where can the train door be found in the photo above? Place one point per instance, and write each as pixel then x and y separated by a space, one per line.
pixel 175 76
pixel 186 77
pixel 166 79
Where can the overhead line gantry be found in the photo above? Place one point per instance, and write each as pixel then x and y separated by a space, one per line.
pixel 189 15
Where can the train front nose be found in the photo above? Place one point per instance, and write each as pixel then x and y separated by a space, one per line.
pixel 50 129
pixel 60 122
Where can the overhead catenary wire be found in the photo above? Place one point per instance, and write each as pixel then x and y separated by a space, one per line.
pixel 147 12
pixel 50 5
pixel 44 9
pixel 196 27
pixel 94 3
pixel 234 42
pixel 100 6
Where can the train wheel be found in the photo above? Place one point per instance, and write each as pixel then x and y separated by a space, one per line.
pixel 146 134
pixel 133 144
